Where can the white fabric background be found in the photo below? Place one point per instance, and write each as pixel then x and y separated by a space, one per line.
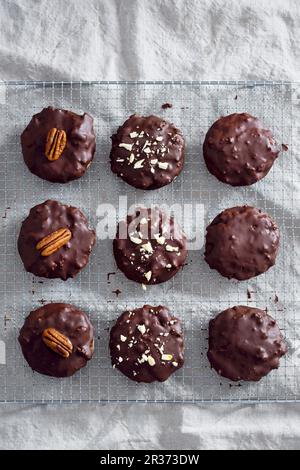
pixel 150 39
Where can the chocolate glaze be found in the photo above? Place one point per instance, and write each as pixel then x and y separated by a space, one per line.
pixel 162 257
pixel 164 156
pixel 140 339
pixel 241 242
pixel 244 344
pixel 72 323
pixel 78 153
pixel 238 150
pixel 45 219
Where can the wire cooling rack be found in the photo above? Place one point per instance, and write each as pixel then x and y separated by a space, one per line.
pixel 197 293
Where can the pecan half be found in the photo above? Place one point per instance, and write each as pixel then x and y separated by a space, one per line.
pixel 58 342
pixel 53 242
pixel 55 143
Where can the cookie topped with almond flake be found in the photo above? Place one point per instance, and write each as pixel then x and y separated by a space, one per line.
pixel 150 247
pixel 147 152
pixel 146 344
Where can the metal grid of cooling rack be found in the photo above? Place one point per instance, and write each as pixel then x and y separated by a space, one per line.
pixel 197 293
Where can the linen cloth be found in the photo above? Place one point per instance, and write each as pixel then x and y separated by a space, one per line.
pixel 148 40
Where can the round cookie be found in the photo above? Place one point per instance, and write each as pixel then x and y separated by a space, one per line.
pixel 241 243
pixel 55 240
pixel 57 340
pixel 70 149
pixel 147 344
pixel 244 344
pixel 150 247
pixel 147 152
pixel 238 150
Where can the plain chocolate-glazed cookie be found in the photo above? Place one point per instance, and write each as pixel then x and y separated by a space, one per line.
pixel 58 145
pixel 55 240
pixel 245 344
pixel 57 340
pixel 149 247
pixel 147 344
pixel 238 149
pixel 147 152
pixel 242 242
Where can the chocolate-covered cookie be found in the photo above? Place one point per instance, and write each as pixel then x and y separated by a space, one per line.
pixel 57 340
pixel 244 344
pixel 149 247
pixel 58 145
pixel 238 149
pixel 55 240
pixel 147 152
pixel 147 344
pixel 241 242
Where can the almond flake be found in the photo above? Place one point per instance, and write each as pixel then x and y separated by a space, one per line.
pixel 148 275
pixel 131 158
pixel 169 266
pixel 120 359
pixel 148 247
pixel 171 248
pixel 126 146
pixel 120 160
pixel 159 138
pixel 154 161
pixel 160 239
pixel 163 165
pixel 135 240
pixel 133 135
pixel 167 357
pixel 144 287
pixel 141 328
pixel 175 364
pixel 147 150
pixel 151 361
pixel 139 164
pixel 123 338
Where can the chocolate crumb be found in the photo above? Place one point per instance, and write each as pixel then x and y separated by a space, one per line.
pixel 117 292
pixel 285 147
pixel 249 294
pixel 276 300
pixel 108 276
pixel 166 105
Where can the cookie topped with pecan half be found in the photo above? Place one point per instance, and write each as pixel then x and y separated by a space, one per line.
pixel 58 145
pixel 57 339
pixel 55 240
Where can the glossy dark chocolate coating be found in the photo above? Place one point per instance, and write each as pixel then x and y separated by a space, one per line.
pixel 135 262
pixel 66 319
pixel 241 243
pixel 78 153
pixel 147 331
pixel 168 149
pixel 244 344
pixel 238 150
pixel 45 219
